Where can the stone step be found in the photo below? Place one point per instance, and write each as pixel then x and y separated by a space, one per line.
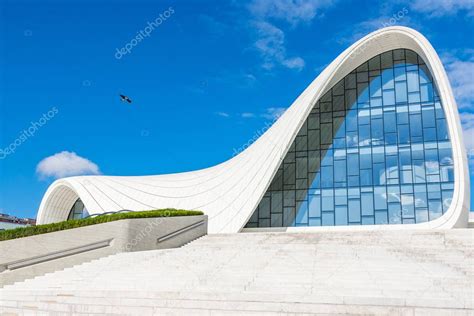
pixel 273 272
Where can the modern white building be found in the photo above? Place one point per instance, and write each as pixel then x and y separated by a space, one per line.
pixel 374 142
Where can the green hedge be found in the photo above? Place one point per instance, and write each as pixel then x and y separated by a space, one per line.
pixel 54 227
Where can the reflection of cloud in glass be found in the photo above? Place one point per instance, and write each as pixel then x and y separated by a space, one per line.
pixel 432 167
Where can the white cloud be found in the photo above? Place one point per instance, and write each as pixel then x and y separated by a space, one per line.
pixel 223 114
pixel 467 120
pixel 294 63
pixel 271 45
pixel 437 8
pixel 396 15
pixel 291 11
pixel 461 77
pixel 460 68
pixel 270 38
pixel 273 113
pixel 247 115
pixel 65 164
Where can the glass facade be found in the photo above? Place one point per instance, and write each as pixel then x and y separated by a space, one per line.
pixel 375 149
pixel 78 211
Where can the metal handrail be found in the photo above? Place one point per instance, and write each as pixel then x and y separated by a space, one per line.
pixel 54 255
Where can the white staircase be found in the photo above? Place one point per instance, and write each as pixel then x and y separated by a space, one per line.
pixel 403 272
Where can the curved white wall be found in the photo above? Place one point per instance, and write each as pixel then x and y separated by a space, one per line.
pixel 230 191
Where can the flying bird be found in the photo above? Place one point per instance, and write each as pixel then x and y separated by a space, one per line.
pixel 124 98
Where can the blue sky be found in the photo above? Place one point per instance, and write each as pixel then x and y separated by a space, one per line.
pixel 206 78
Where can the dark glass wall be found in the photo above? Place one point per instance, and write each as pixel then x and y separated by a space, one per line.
pixel 375 149
pixel 78 210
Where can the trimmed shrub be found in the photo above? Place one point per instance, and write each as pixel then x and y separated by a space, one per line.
pixel 54 227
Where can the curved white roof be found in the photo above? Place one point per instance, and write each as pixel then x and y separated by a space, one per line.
pixel 229 192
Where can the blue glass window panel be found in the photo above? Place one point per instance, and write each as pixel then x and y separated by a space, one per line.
pixel 442 130
pixel 367 201
pixel 364 135
pixel 327 219
pixel 399 54
pixel 435 209
pixel 402 115
pixel 391 167
pixel 408 206
pixel 415 125
pixel 381 218
pixel 366 220
pixel 419 175
pixel 406 177
pixel 379 174
pixel 376 87
pixel 340 196
pixel 412 81
pixel 289 216
pixel 426 93
pixel 352 164
pixel 363 94
pixel 327 180
pixel 400 74
pixel 353 193
pixel 314 222
pixel 423 74
pixel 380 198
pixel 447 198
pixel 326 134
pixel 277 219
pixel 428 115
pixel 366 177
pixel 422 215
pixel 401 92
pixel 444 154
pixel 327 200
pixel 439 111
pixel 289 198
pixel 364 117
pixel 351 120
pixel 414 97
pixel 341 215
pixel 421 200
pixel 431 163
pixel 405 158
pixel 350 99
pixel 403 134
pixel 340 171
pixel 301 167
pixel 394 213
pixel 353 181
pixel 314 206
pixel 376 102
pixel 387 79
pixel 388 97
pixel 378 154
pixel 390 121
pixel 362 76
pixel 354 211
pixel 447 173
pixel 277 202
pixel 393 194
pixel 302 215
pixel 434 191
pixel 327 158
pixel 365 158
